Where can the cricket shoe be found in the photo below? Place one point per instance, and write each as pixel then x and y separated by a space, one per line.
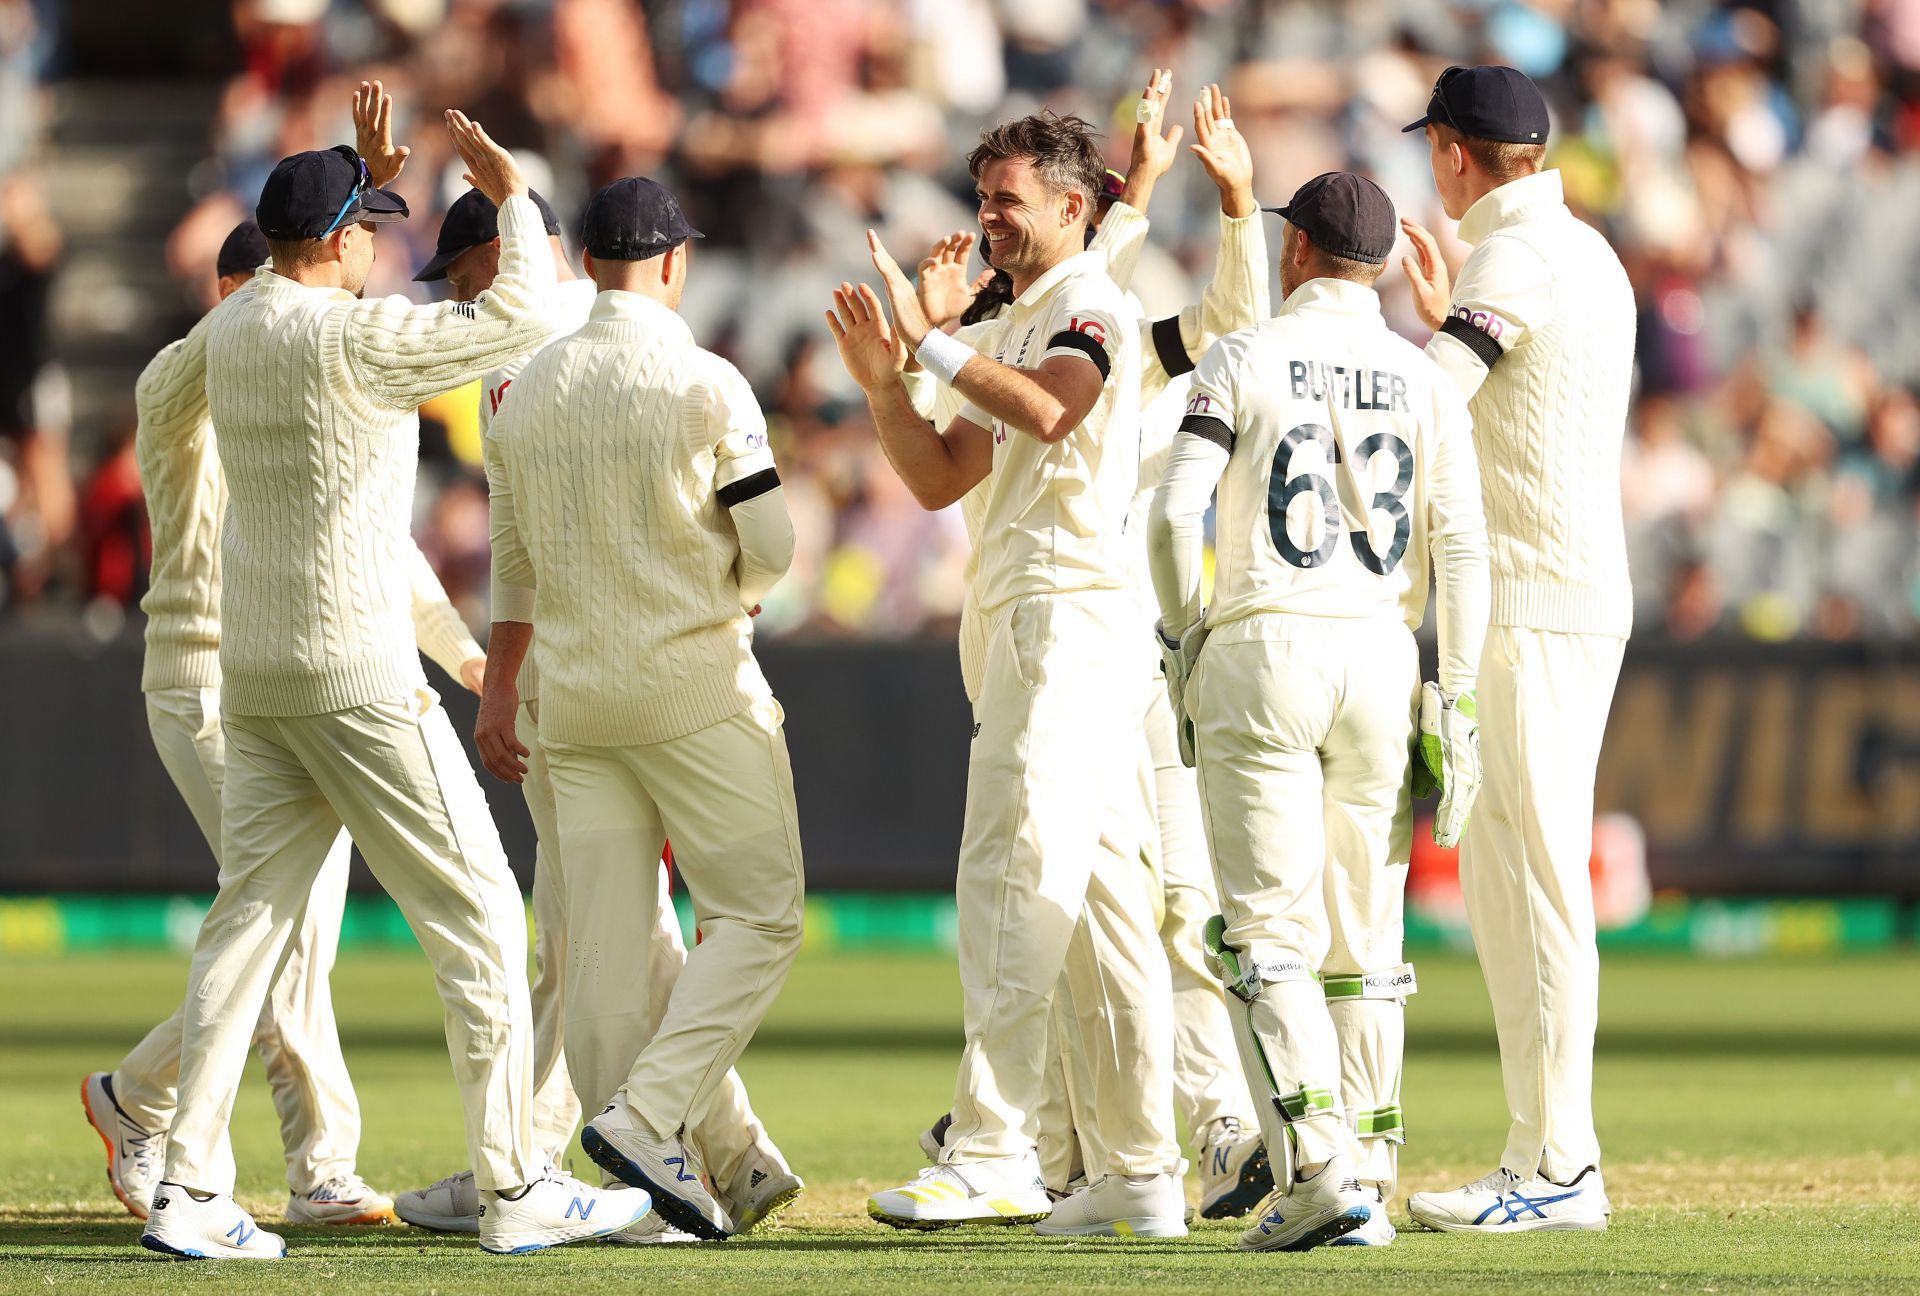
pixel 1378 1231
pixel 1313 1213
pixel 651 1231
pixel 1121 1206
pixel 763 1187
pixel 452 1205
pixel 135 1156
pixel 1234 1172
pixel 211 1226
pixel 1503 1202
pixel 554 1210
pixel 1005 1190
pixel 626 1149
pixel 933 1139
pixel 343 1199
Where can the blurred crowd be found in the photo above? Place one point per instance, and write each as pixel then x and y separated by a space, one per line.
pixel 1756 164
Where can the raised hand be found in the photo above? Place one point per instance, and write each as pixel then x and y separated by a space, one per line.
pixel 867 346
pixel 373 134
pixel 943 287
pixel 490 168
pixel 1153 153
pixel 1432 285
pixel 1223 151
pixel 909 321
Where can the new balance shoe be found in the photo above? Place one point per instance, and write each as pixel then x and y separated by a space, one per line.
pixel 933 1139
pixel 452 1205
pixel 1006 1190
pixel 1313 1213
pixel 651 1231
pixel 1376 1232
pixel 135 1156
pixel 1503 1202
pixel 1234 1172
pixel 343 1199
pixel 763 1186
pixel 1121 1206
pixel 205 1226
pixel 634 1154
pixel 555 1210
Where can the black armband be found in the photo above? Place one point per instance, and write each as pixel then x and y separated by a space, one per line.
pixel 752 486
pixel 1077 341
pixel 1171 347
pixel 1209 428
pixel 1485 349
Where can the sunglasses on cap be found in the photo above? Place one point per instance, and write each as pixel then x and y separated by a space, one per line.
pixel 360 186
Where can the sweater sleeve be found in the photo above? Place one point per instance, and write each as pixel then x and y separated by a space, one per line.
pixel 438 627
pixel 1122 236
pixel 747 484
pixel 1237 297
pixel 1504 293
pixel 512 579
pixel 171 397
pixel 404 355
pixel 1457 531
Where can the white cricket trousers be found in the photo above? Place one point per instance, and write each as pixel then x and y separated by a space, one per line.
pixel 1303 729
pixel 723 1137
pixel 724 795
pixel 295 1036
pixel 395 775
pixel 1054 751
pixel 1524 862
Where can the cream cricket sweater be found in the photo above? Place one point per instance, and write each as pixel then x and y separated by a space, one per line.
pixel 314 394
pixel 186 499
pixel 1541 340
pixel 613 465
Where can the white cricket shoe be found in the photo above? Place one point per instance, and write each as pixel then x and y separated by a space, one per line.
pixel 933 1139
pixel 763 1187
pixel 343 1199
pixel 1005 1190
pixel 1503 1202
pixel 1330 1205
pixel 452 1205
pixel 554 1210
pixel 1378 1231
pixel 135 1156
pixel 634 1154
pixel 215 1227
pixel 1234 1172
pixel 1121 1206
pixel 651 1231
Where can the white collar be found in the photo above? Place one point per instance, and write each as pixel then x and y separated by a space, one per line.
pixel 1078 263
pixel 617 304
pixel 1334 297
pixel 1512 202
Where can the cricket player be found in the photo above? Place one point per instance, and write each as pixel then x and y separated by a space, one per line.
pixel 634 493
pixel 751 1177
pixel 1054 419
pixel 1538 332
pixel 132 1106
pixel 327 716
pixel 1343 459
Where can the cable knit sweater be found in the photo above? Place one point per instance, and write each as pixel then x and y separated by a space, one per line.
pixel 1541 339
pixel 314 394
pixel 186 499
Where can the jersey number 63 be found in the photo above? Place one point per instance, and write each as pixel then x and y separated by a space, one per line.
pixel 1282 489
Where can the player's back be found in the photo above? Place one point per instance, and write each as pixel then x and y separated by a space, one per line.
pixel 1332 420
pixel 608 444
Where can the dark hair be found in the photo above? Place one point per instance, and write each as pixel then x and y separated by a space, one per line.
pixel 1064 151
pixel 1498 158
pixel 988 301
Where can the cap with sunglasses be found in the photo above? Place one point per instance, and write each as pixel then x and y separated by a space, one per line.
pixel 312 194
pixel 1345 215
pixel 1490 103
pixel 634 219
pixel 472 220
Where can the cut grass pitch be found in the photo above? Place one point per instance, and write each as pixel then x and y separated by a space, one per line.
pixel 1761 1120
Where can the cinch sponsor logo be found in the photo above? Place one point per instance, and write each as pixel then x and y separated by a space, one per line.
pixel 1200 403
pixel 1486 321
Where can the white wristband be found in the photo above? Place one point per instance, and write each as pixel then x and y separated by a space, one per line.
pixel 943 355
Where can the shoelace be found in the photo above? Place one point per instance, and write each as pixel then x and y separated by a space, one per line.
pixel 1496 1181
pixel 340 1188
pixel 144 1149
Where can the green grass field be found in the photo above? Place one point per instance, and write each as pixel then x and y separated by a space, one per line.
pixel 1761 1119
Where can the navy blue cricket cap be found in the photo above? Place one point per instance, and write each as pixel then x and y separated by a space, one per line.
pixel 634 220
pixel 472 220
pixel 1345 215
pixel 244 251
pixel 312 194
pixel 1489 103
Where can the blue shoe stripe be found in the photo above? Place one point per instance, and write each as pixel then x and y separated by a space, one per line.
pixel 1525 1204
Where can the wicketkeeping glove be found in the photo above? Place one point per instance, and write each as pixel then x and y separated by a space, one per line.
pixel 1176 662
pixel 1450 750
